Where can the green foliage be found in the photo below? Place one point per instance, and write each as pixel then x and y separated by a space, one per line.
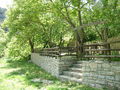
pixel 31 25
pixel 107 11
pixel 3 42
pixel 42 23
pixel 56 88
pixel 16 49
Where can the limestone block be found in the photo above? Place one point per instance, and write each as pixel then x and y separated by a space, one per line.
pixel 106 73
pixel 115 68
pixel 101 76
pixel 106 65
pixel 92 84
pixel 117 63
pixel 117 84
pixel 86 74
pixel 98 86
pixel 110 77
pixel 87 69
pixel 100 81
pixel 99 61
pixel 117 77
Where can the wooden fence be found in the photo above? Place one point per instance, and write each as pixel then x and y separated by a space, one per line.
pixel 96 50
pixel 102 50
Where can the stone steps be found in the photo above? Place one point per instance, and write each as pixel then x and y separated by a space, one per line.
pixel 74 73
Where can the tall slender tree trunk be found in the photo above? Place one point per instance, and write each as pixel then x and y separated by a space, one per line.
pixel 80 33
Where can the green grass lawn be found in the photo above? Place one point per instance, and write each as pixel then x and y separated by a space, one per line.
pixel 17 75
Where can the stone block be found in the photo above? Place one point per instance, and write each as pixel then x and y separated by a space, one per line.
pixel 101 76
pixel 106 73
pixel 117 77
pixel 100 81
pixel 98 86
pixel 92 84
pixel 115 68
pixel 110 77
pixel 117 83
pixel 93 65
pixel 106 65
pixel 99 61
pixel 86 74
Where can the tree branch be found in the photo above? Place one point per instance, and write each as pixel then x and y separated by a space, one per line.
pixel 67 18
pixel 83 5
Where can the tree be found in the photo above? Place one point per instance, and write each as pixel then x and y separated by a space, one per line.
pixel 71 11
pixel 32 23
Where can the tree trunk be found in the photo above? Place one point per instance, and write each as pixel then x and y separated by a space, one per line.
pixel 105 40
pixel 80 34
pixel 31 43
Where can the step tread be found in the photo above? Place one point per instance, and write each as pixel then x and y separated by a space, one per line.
pixel 75 68
pixel 79 62
pixel 71 72
pixel 77 65
pixel 83 61
pixel 71 78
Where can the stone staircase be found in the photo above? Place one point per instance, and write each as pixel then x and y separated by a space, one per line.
pixel 74 73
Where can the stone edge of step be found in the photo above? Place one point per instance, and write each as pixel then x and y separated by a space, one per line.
pixel 70 78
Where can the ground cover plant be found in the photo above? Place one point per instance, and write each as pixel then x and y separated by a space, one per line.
pixel 18 75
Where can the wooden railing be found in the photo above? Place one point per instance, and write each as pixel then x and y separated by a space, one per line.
pixel 102 50
pixel 58 52
pixel 96 50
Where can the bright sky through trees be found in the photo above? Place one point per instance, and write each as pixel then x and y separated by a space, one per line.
pixel 5 3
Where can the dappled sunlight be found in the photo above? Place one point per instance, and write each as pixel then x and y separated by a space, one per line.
pixel 21 74
pixel 7 71
pixel 57 35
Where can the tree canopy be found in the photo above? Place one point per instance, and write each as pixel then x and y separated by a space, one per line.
pixel 50 23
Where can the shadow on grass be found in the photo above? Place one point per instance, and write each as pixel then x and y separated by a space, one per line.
pixel 28 71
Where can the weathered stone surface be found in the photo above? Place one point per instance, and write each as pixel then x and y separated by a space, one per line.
pixel 53 65
pixel 117 77
pixel 110 78
pixel 103 73
pixel 98 86
pixel 100 81
pixel 99 74
pixel 106 65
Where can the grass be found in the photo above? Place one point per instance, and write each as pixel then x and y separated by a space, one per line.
pixel 17 75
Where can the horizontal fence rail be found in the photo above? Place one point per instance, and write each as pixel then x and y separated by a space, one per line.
pixel 95 50
pixel 102 50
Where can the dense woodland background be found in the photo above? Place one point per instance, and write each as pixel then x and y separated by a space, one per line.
pixel 31 24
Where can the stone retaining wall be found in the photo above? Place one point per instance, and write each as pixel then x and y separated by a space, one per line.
pixel 101 74
pixel 52 65
pixel 98 73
